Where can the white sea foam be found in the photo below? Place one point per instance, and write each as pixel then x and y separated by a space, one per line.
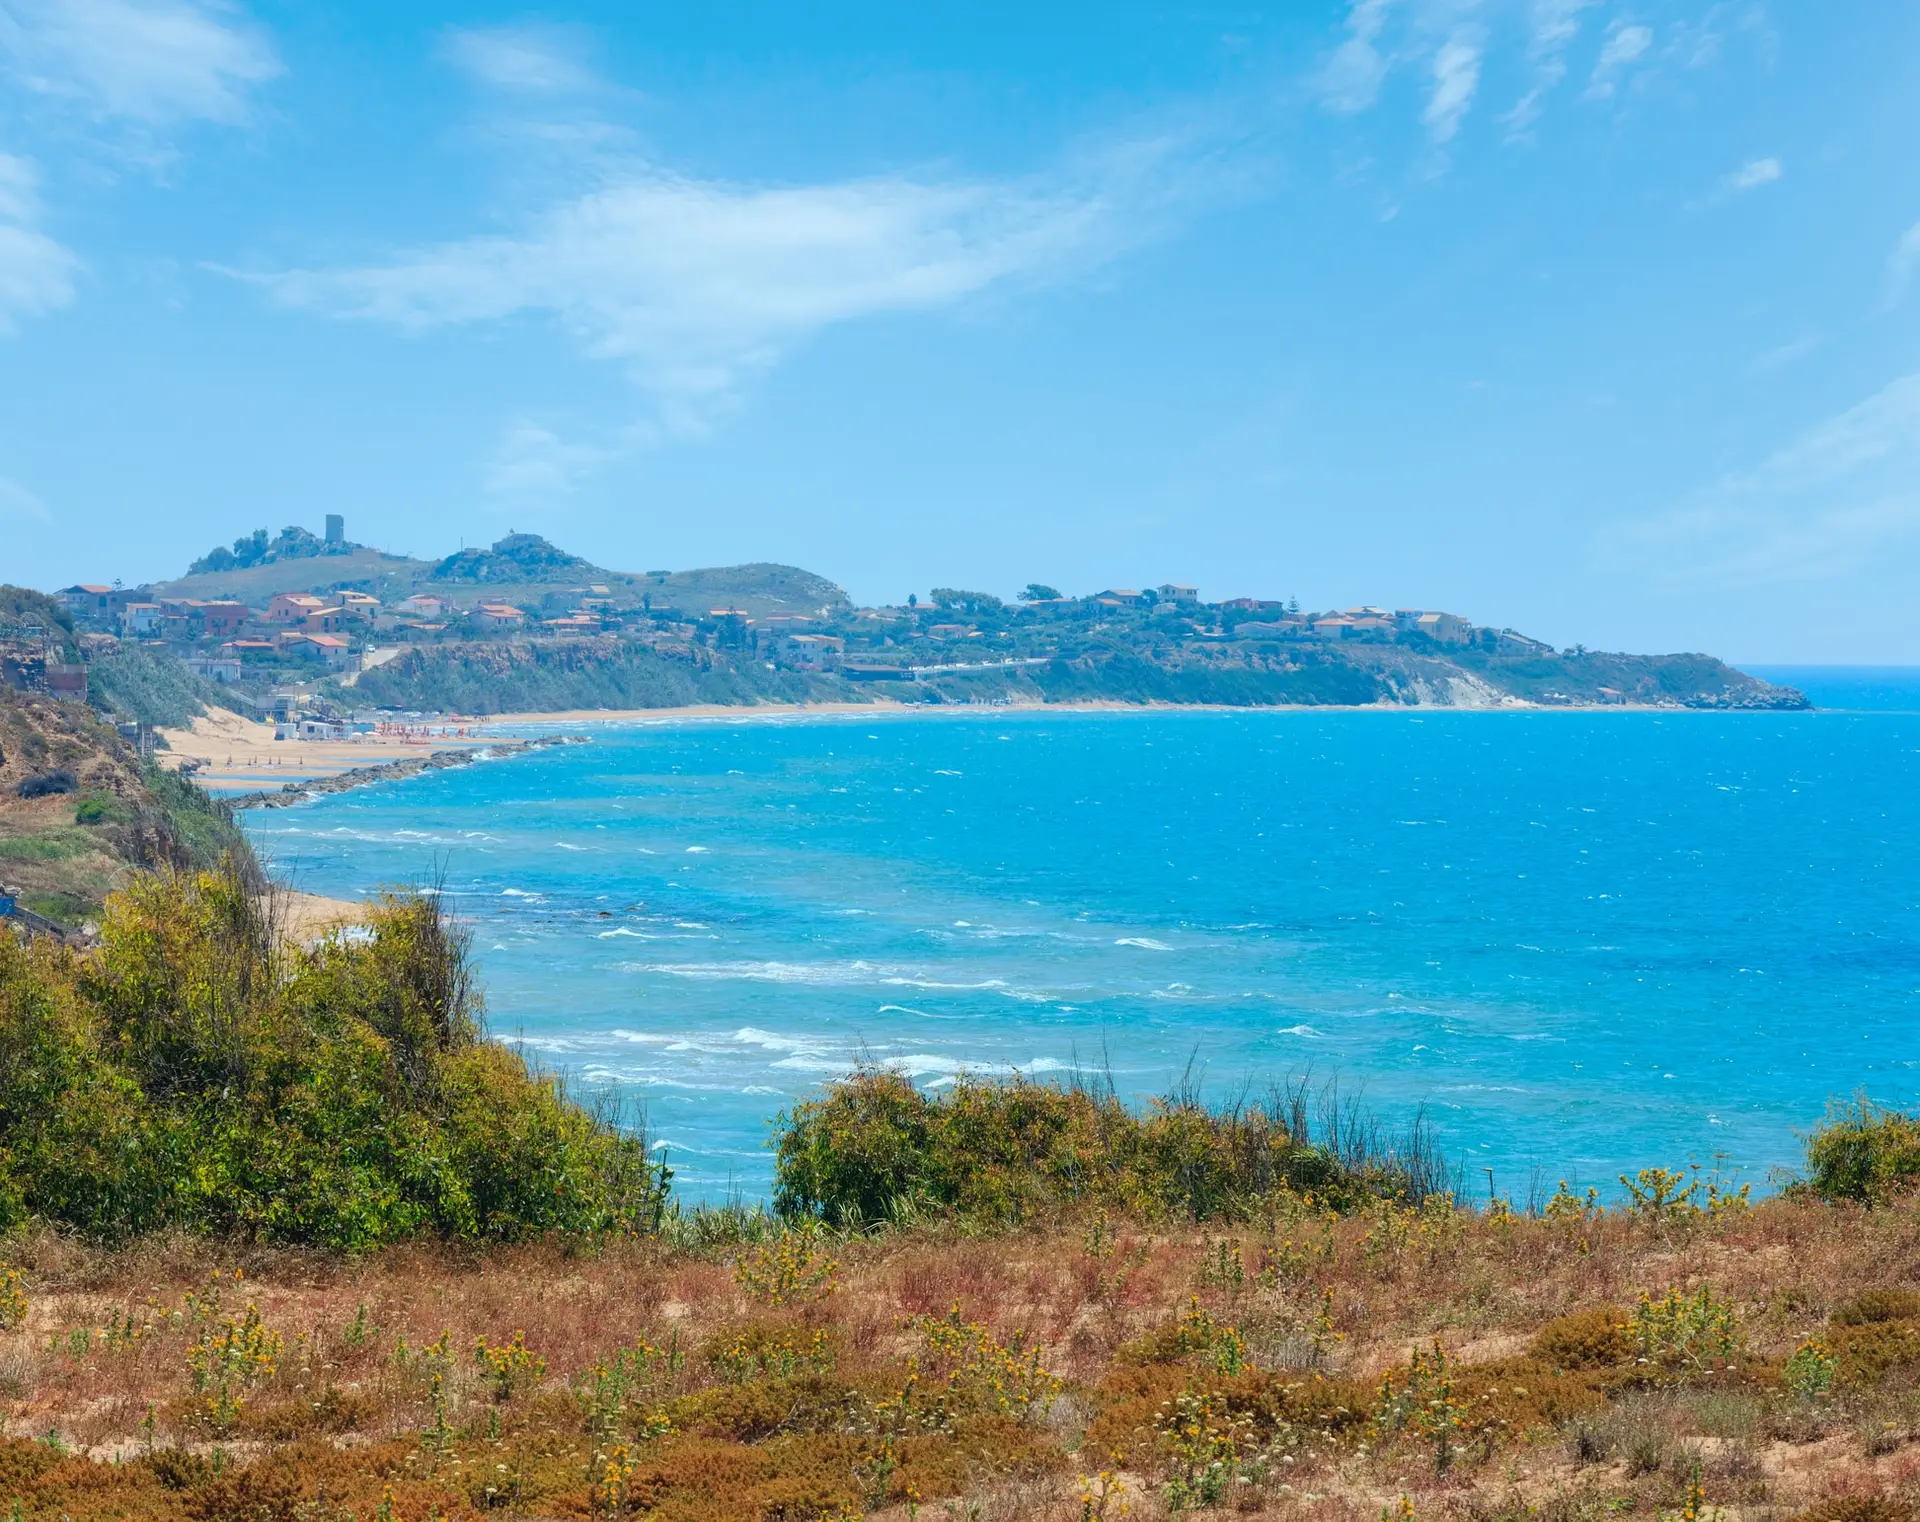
pixel 1306 1031
pixel 1145 943
pixel 807 1062
pixel 773 1041
pixel 696 850
pixel 542 1043
pixel 853 974
pixel 926 1065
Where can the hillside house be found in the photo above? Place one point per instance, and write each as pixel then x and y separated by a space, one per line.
pixel 141 620
pixel 1252 605
pixel 423 605
pixel 498 615
pixel 1339 626
pixel 328 620
pixel 294 607
pixel 812 652
pixel 1180 596
pixel 220 619
pixel 1444 627
pixel 87 600
pixel 330 650
pixel 358 605
pixel 68 683
pixel 1122 597
pixel 224 669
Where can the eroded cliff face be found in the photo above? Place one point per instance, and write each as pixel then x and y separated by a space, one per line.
pixel 80 814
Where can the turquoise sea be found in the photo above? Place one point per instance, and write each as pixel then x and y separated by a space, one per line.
pixel 1583 942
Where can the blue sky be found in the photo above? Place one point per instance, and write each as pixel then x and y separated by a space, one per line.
pixel 1596 319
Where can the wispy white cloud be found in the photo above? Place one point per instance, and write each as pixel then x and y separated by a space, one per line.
pixel 150 62
pixel 534 461
pixel 1456 75
pixel 1902 263
pixel 36 273
pixel 695 285
pixel 1752 175
pixel 1843 492
pixel 1886 424
pixel 1555 25
pixel 529 59
pixel 1351 78
pixel 1624 46
pixel 1782 355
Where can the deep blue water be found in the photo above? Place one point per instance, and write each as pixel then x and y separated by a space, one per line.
pixel 1872 689
pixel 1584 941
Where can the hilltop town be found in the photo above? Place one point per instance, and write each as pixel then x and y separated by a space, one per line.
pixel 318 625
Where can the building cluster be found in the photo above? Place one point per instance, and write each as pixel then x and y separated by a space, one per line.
pixel 329 631
pixel 222 635
pixel 232 640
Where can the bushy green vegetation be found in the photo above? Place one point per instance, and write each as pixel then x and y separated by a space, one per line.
pixel 196 1071
pixel 1863 1152
pixel 533 678
pixel 1130 678
pixel 194 830
pixel 876 1148
pixel 148 687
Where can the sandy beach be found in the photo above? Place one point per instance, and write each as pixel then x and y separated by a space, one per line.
pixel 306 917
pixel 240 754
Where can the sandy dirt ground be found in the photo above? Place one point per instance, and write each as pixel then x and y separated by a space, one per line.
pixel 237 752
pixel 306 917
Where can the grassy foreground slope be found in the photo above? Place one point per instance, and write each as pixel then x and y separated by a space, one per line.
pixel 291 1241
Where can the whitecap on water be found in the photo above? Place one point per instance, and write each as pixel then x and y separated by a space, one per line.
pixel 1300 1030
pixel 773 1041
pixel 808 1062
pixel 1145 943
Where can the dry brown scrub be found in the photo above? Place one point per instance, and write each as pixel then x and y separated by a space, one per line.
pixel 809 1378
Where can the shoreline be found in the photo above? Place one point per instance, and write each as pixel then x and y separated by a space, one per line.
pixel 291 793
pixel 705 712
pixel 489 745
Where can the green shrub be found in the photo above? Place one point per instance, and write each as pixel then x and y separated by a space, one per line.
pixel 877 1148
pixel 1863 1152
pixel 196 1071
pixel 1595 1339
pixel 148 686
pixel 1879 1305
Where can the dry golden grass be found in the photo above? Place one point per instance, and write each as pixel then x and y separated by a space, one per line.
pixel 835 1377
